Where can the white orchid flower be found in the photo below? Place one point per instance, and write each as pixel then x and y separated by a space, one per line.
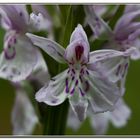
pixel 87 81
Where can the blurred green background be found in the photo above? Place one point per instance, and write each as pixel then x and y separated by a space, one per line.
pixel 132 99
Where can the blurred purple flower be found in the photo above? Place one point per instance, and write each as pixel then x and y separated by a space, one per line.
pixel 126 31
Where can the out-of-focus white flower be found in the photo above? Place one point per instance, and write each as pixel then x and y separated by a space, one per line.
pixel 100 122
pixel 88 80
pixel 40 19
pixel 19 56
pixel 24 118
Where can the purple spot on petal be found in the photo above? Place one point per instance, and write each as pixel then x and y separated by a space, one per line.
pixel 87 86
pixel 15 41
pixel 10 76
pixel 4 69
pixel 73 78
pixel 15 71
pixel 81 71
pixel 67 88
pixel 73 71
pixel 96 19
pixel 126 66
pixel 54 101
pixel 68 71
pixel 7 54
pixel 81 78
pixel 125 69
pixel 79 51
pixel 81 92
pixel 72 91
pixel 87 72
pixel 76 83
pixel 98 57
pixel 9 46
pixel 118 70
pixel 21 14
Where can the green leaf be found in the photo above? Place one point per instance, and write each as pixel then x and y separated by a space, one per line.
pixel 2 32
pixel 68 27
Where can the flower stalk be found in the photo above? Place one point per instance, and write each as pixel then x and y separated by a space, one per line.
pixel 55 119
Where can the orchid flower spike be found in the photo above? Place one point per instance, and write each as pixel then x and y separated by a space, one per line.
pixel 100 122
pixel 16 61
pixel 86 81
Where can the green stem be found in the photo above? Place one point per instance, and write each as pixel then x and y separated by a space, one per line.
pixel 55 119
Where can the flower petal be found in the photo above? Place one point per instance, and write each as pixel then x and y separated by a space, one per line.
pixel 79 34
pixel 121 114
pixel 18 20
pixel 16 61
pixel 79 105
pixel 4 20
pixel 129 33
pixel 24 117
pixel 40 18
pixel 124 22
pixel 40 72
pixel 97 24
pixel 39 22
pixel 102 93
pixel 112 64
pixel 50 47
pixel 54 92
pixel 131 8
pixel 136 54
pixel 78 49
pixel 99 123
pixel 73 122
pixel 104 54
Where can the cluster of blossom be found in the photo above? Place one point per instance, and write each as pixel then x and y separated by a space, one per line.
pixel 94 82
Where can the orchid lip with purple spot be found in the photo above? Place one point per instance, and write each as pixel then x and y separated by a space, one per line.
pixel 10 56
pixel 79 51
